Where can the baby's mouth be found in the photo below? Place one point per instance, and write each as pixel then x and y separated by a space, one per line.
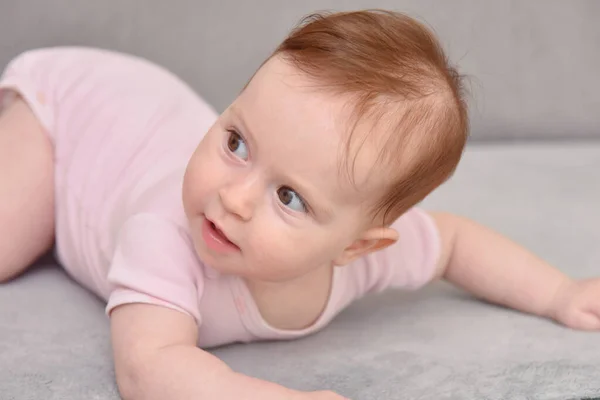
pixel 219 235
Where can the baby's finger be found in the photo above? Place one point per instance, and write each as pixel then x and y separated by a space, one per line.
pixel 584 320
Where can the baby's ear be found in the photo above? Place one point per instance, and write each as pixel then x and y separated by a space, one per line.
pixel 373 239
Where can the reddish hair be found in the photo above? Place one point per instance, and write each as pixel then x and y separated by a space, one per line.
pixel 392 67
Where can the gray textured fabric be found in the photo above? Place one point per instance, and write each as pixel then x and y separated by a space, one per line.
pixel 430 345
pixel 534 63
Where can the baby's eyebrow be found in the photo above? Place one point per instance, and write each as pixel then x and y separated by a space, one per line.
pixel 247 133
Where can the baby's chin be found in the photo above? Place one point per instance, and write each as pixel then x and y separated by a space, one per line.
pixel 231 265
pixel 223 264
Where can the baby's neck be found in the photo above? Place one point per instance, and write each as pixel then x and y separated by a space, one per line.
pixel 294 304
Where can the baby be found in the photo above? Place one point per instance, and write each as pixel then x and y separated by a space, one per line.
pixel 264 222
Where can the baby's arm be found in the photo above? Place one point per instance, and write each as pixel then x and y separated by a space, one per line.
pixel 156 357
pixel 495 269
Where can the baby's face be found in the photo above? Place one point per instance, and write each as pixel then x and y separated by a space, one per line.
pixel 263 191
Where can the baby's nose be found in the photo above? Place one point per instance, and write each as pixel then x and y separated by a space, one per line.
pixel 240 198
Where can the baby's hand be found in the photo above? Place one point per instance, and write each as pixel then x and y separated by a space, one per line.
pixel 577 305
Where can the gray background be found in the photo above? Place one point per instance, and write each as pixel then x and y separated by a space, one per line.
pixel 533 64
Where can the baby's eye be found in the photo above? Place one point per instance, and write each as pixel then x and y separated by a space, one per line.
pixel 237 146
pixel 291 199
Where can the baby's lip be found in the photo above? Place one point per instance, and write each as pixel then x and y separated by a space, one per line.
pixel 218 228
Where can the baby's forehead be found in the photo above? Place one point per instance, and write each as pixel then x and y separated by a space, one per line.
pixel 345 150
pixel 388 136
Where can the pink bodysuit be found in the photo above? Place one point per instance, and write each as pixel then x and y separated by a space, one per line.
pixel 123 130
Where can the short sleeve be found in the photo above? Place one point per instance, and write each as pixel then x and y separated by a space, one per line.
pixel 154 263
pixel 409 263
pixel 29 76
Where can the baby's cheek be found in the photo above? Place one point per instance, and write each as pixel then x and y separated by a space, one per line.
pixel 271 255
pixel 205 173
pixel 267 246
pixel 321 248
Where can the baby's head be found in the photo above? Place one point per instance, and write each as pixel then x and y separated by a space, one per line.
pixel 354 119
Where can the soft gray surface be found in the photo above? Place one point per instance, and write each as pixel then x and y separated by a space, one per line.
pixel 432 345
pixel 534 63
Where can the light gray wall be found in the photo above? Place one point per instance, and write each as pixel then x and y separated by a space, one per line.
pixel 535 64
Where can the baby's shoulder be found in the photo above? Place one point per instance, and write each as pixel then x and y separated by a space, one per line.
pixel 152 233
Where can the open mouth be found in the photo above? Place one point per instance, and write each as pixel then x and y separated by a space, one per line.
pixel 219 233
pixel 216 239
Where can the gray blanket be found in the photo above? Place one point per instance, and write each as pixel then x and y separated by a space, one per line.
pixel 435 344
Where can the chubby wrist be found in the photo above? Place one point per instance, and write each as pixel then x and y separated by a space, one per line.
pixel 565 288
